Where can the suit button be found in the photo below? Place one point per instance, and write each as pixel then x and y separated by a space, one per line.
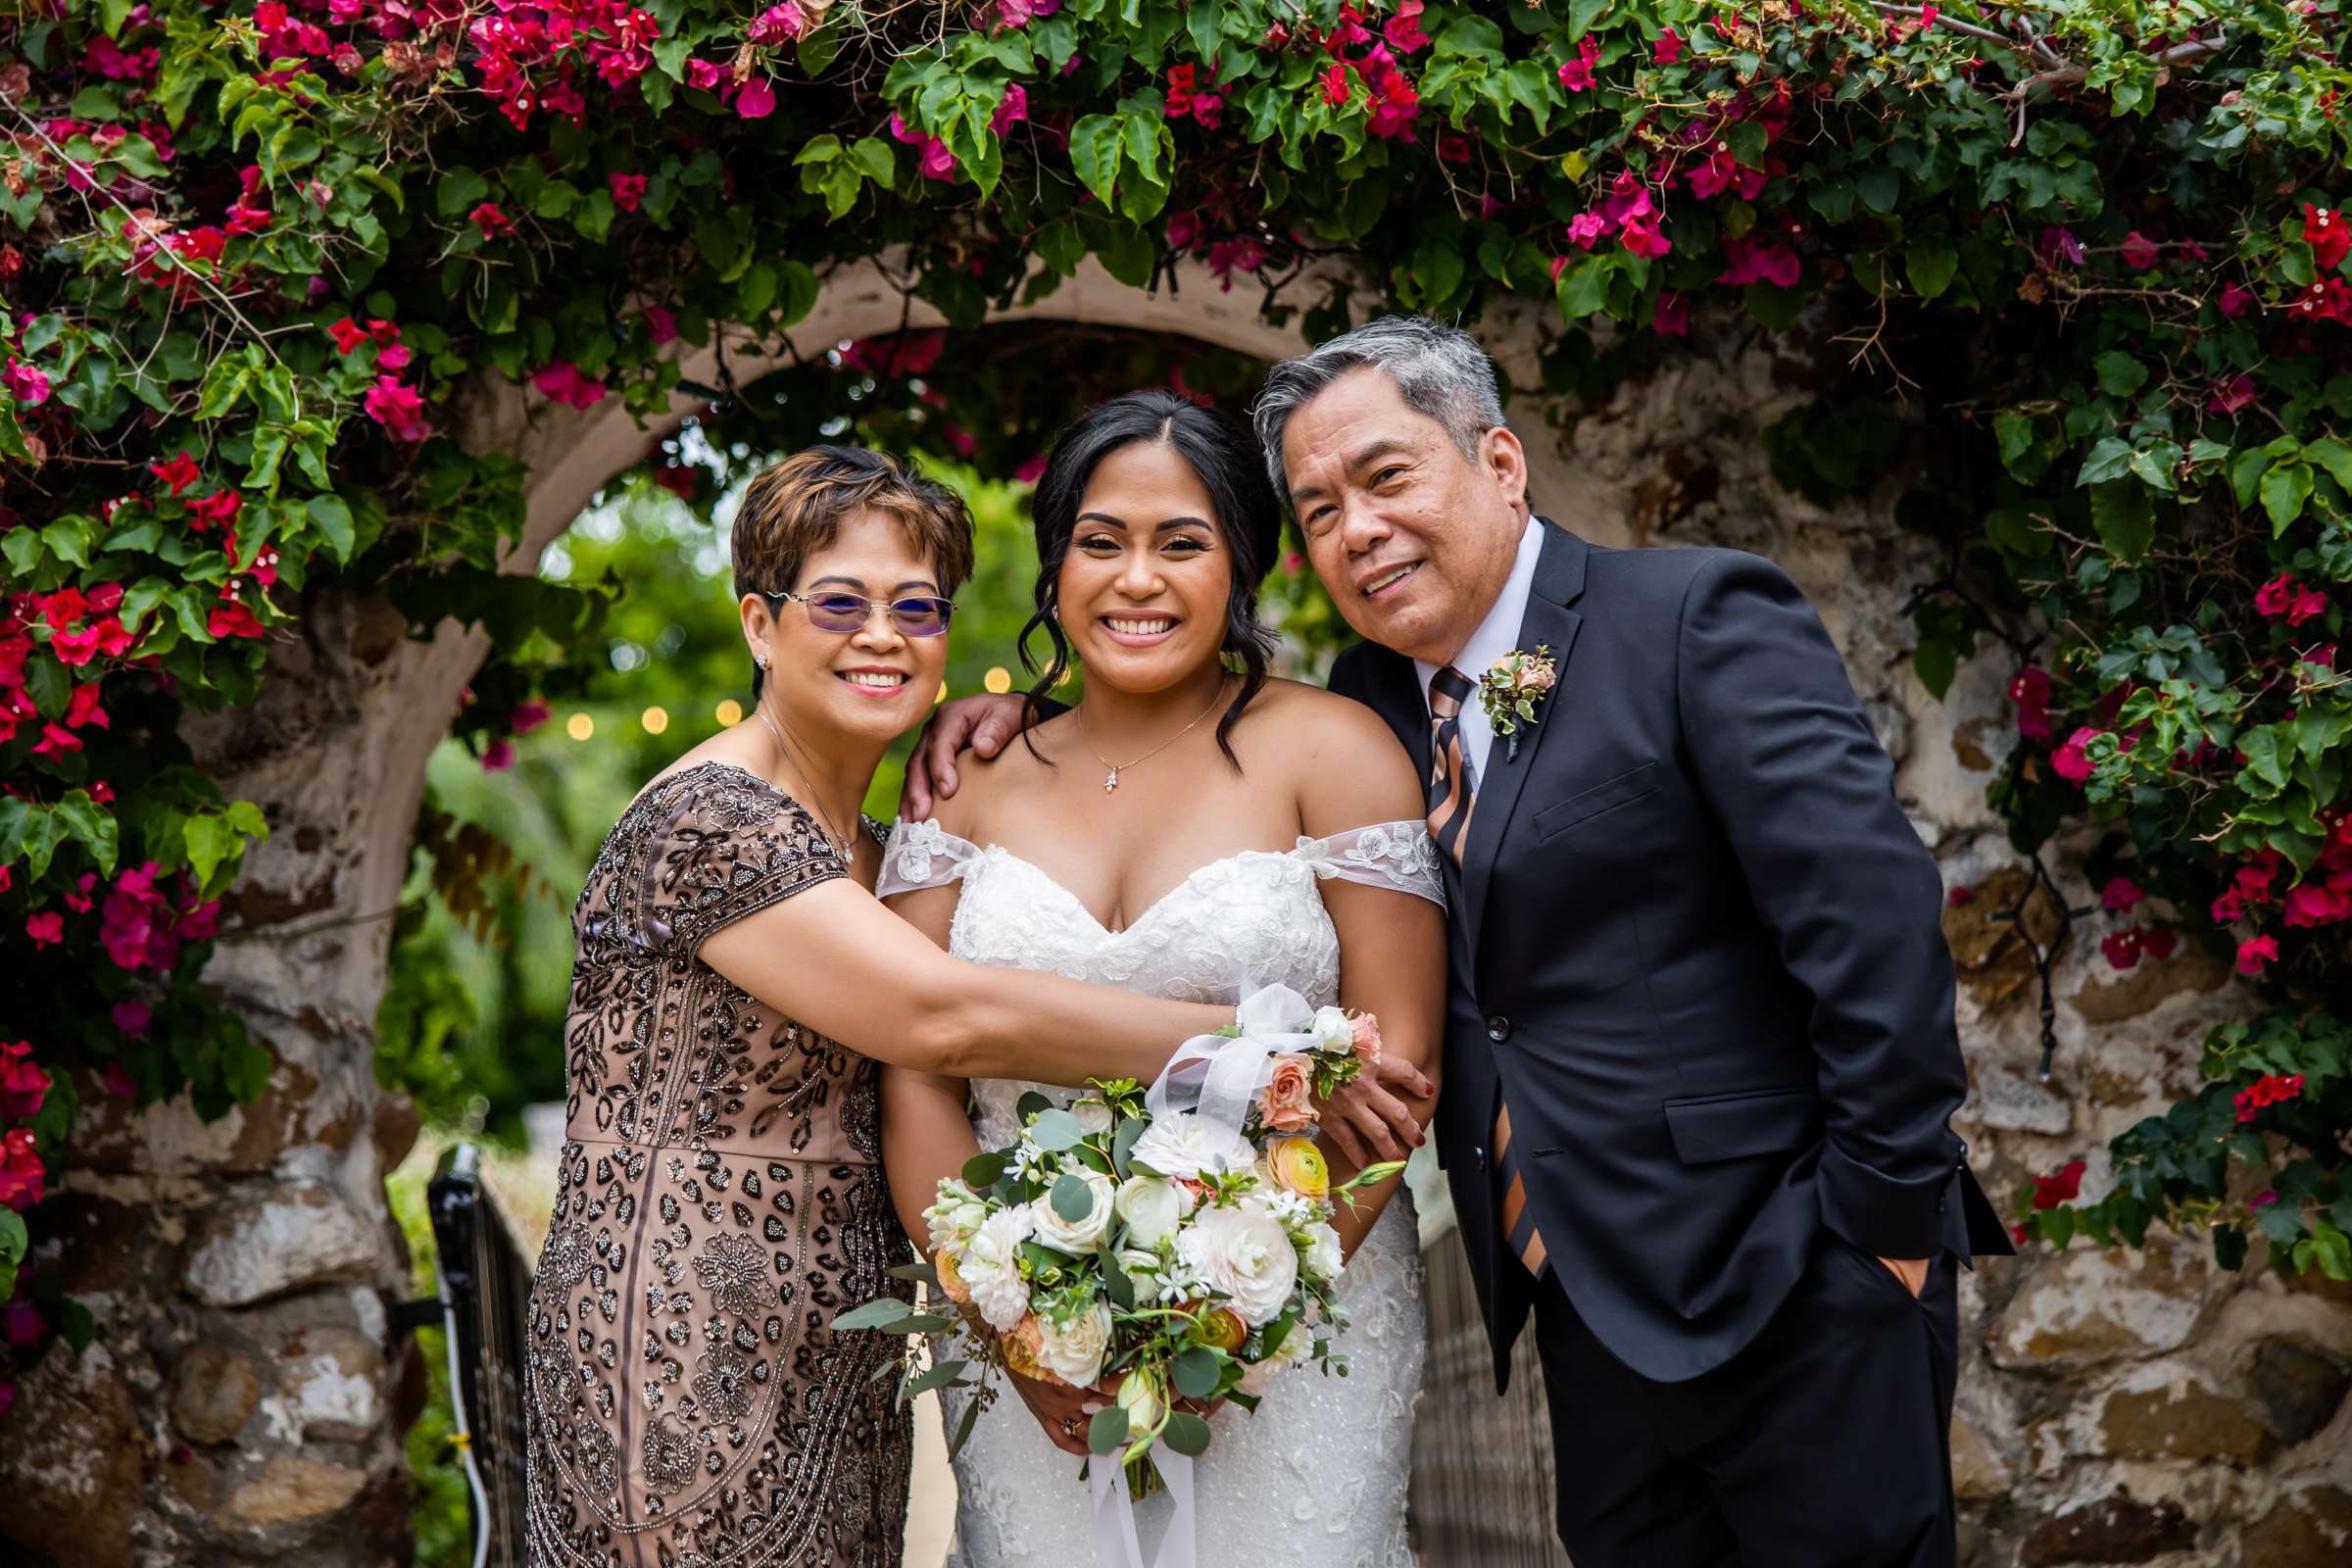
pixel 1499 1028
pixel 1481 1152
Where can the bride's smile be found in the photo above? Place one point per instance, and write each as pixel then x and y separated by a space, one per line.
pixel 1145 585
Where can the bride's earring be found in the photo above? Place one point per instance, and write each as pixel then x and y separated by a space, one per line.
pixel 761 659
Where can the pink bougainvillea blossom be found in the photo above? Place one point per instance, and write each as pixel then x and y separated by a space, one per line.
pixel 1334 81
pixel 491 219
pixel 2120 893
pixel 1011 110
pixel 937 161
pixel 2122 947
pixel 24 1083
pixel 2031 692
pixel 232 617
pixel 498 755
pixel 21 1171
pixel 47 928
pixel 1668 50
pixel 2055 245
pixel 398 409
pixel 530 715
pixel 1577 74
pixel 25 384
pixel 132 1016
pixel 629 191
pixel 2064 1187
pixel 564 382
pixel 2271 1088
pixel 1759 260
pixel 1403 30
pixel 2072 761
pixel 2231 394
pixel 2237 299
pixel 2139 252
pixel 178 473
pixel 2327 235
pixel 2256 953
pixel 2283 596
pixel 780 24
pixel 1021 13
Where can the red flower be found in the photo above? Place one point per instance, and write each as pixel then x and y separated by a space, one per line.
pixel 220 508
pixel 1184 99
pixel 21 1172
pixel 528 716
pixel 2120 893
pixel 2122 947
pixel 23 1083
pixel 1672 317
pixel 1577 74
pixel 1403 29
pixel 493 223
pixel 1668 50
pixel 398 409
pixel 2231 394
pixel 348 336
pixel 1011 110
pixel 756 100
pixel 498 755
pixel 1756 261
pixel 232 617
pixel 2072 761
pixel 2324 230
pixel 2237 299
pixel 132 1016
pixel 2160 941
pixel 661 325
pixel 627 191
pixel 47 928
pixel 563 383
pixel 2017 1233
pixel 83 708
pixel 2139 251
pixel 1960 896
pixel 2256 953
pixel 2283 596
pixel 178 473
pixel 1640 236
pixel 2051 1190
pixel 1334 79
pixel 2267 1090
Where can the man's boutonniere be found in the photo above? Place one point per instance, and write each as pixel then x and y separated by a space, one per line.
pixel 1512 690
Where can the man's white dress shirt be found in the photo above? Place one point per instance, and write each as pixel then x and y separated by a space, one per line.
pixel 1495 636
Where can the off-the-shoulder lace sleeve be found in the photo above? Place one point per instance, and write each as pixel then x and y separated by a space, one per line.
pixel 922 855
pixel 730 846
pixel 1400 856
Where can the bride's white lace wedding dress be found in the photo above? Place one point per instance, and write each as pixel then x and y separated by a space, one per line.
pixel 1318 1473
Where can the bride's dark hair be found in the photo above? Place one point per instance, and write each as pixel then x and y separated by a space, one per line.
pixel 1234 473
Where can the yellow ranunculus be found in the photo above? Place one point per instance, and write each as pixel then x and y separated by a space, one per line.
pixel 1222 1329
pixel 950 1283
pixel 1296 1165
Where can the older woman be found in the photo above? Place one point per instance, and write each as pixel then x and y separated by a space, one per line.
pixel 721 1196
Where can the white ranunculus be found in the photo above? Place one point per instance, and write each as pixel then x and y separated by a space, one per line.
pixel 952 1219
pixel 1296 1349
pixel 991 1266
pixel 1073 1351
pixel 1181 1144
pixel 1244 1256
pixel 1333 1033
pixel 1319 1252
pixel 1076 1236
pixel 1093 1115
pixel 1139 1260
pixel 1152 1208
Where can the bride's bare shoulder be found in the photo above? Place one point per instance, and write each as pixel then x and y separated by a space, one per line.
pixel 1340 758
pixel 988 783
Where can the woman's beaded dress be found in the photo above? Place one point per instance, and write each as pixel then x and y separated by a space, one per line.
pixel 720 1200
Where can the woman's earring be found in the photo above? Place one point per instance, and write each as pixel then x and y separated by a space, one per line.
pixel 761 659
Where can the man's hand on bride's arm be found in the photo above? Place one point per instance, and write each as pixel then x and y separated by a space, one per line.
pixel 1366 1119
pixel 982 723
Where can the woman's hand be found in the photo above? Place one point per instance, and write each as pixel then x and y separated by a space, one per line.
pixel 1060 1409
pixel 1368 1123
pixel 981 723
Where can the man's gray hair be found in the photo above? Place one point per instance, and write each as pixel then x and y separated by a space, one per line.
pixel 1439 369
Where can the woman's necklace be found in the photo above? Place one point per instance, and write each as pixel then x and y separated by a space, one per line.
pixel 840 844
pixel 1110 780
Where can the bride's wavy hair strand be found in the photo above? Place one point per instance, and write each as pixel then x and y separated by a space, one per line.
pixel 1248 519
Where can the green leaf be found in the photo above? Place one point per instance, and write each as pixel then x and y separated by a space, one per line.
pixel 1105 1430
pixel 2284 490
pixel 1056 1130
pixel 1584 287
pixel 209 841
pixel 1186 1434
pixel 980 1172
pixel 1073 1200
pixel 331 516
pixel 888 1316
pixel 1096 142
pixel 93 827
pixel 2125 515
pixel 2333 456
pixel 1196 1372
pixel 460 191
pixel 1929 261
pixel 1880 187
pixel 2120 375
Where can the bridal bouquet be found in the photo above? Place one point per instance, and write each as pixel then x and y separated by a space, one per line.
pixel 1168 1243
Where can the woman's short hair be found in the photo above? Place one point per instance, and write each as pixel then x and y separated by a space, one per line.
pixel 1221 453
pixel 794 508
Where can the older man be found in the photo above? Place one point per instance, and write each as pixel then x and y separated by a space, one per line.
pixel 1699 1053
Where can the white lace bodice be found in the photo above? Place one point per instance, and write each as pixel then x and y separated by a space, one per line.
pixel 1317 1475
pixel 1247 920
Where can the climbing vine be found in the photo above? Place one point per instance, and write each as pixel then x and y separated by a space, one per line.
pixel 259 259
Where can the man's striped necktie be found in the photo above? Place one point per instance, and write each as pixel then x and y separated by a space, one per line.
pixel 1452 789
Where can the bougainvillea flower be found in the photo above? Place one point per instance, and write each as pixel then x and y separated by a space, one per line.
pixel 398 409
pixel 564 382
pixel 530 715
pixel 778 25
pixel 232 617
pixel 498 755
pixel 23 1085
pixel 2237 299
pixel 1672 317
pixel 2120 893
pixel 348 336
pixel 2054 245
pixel 2122 947
pixel 756 100
pixel 2159 942
pixel 2139 252
pixel 21 1172
pixel 47 928
pixel 2256 953
pixel 1668 50
pixel 178 473
pixel 2324 231
pixel 2051 1190
pixel 2072 761
pixel 628 190
pixel 1011 111
pixel 937 161
pixel 1755 261
pixel 2231 394
pixel 2267 1090
pixel 132 1016
pixel 25 384
pixel 492 221
pixel 661 325
pixel 1334 81
pixel 2282 596
pixel 1577 74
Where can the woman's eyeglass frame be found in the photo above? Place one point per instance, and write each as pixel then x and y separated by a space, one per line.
pixel 925 606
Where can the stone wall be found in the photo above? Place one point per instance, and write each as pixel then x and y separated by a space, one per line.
pixel 2115 1406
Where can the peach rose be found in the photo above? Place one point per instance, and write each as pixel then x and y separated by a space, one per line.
pixel 1223 1330
pixel 1296 1165
pixel 1022 1346
pixel 950 1283
pixel 1288 1104
pixel 1367 1038
pixel 1536 677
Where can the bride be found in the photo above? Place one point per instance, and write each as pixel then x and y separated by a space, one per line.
pixel 1197 832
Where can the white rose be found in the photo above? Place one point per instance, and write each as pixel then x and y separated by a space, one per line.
pixel 1141 1397
pixel 1183 1145
pixel 1333 1033
pixel 991 1266
pixel 1093 1115
pixel 1244 1256
pixel 1076 1236
pixel 952 1219
pixel 1073 1351
pixel 1296 1349
pixel 1138 1260
pixel 1152 1208
pixel 1319 1252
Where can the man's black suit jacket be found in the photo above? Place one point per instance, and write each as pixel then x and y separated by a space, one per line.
pixel 1698 944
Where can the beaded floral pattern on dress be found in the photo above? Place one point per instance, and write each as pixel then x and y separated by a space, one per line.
pixel 1318 1474
pixel 720 1201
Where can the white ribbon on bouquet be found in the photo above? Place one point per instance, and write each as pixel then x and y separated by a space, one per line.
pixel 1216 1078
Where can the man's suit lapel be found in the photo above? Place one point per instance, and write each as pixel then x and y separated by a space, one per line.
pixel 1549 620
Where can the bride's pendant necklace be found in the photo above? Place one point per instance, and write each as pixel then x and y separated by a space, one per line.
pixel 1110 780
pixel 840 844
